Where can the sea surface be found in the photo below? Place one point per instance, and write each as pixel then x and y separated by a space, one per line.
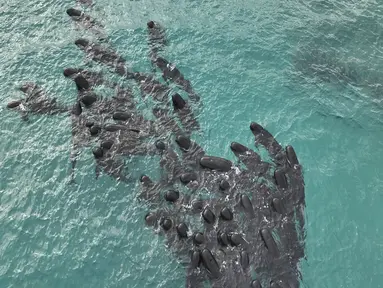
pixel 310 72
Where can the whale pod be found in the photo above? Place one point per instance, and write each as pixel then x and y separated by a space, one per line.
pixel 122 116
pixel 172 196
pixel 210 263
pixel 236 246
pixel 208 215
pixel 269 242
pixel 182 230
pixel 280 179
pixel 216 163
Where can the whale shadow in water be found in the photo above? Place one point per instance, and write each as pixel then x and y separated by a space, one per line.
pixel 327 66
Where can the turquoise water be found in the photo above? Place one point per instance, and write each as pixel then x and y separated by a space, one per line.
pixel 249 61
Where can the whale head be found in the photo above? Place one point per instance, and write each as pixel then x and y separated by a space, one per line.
pixel 161 63
pixel 81 83
pixel 73 12
pixel 178 101
pixel 71 71
pixel 27 87
pixel 81 43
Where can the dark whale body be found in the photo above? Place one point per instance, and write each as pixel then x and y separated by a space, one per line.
pixel 171 73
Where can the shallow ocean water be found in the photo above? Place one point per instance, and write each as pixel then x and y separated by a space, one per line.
pixel 249 61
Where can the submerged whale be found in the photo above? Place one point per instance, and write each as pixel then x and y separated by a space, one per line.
pixel 36 101
pixel 103 55
pixel 87 22
pixel 157 36
pixel 86 2
pixel 149 86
